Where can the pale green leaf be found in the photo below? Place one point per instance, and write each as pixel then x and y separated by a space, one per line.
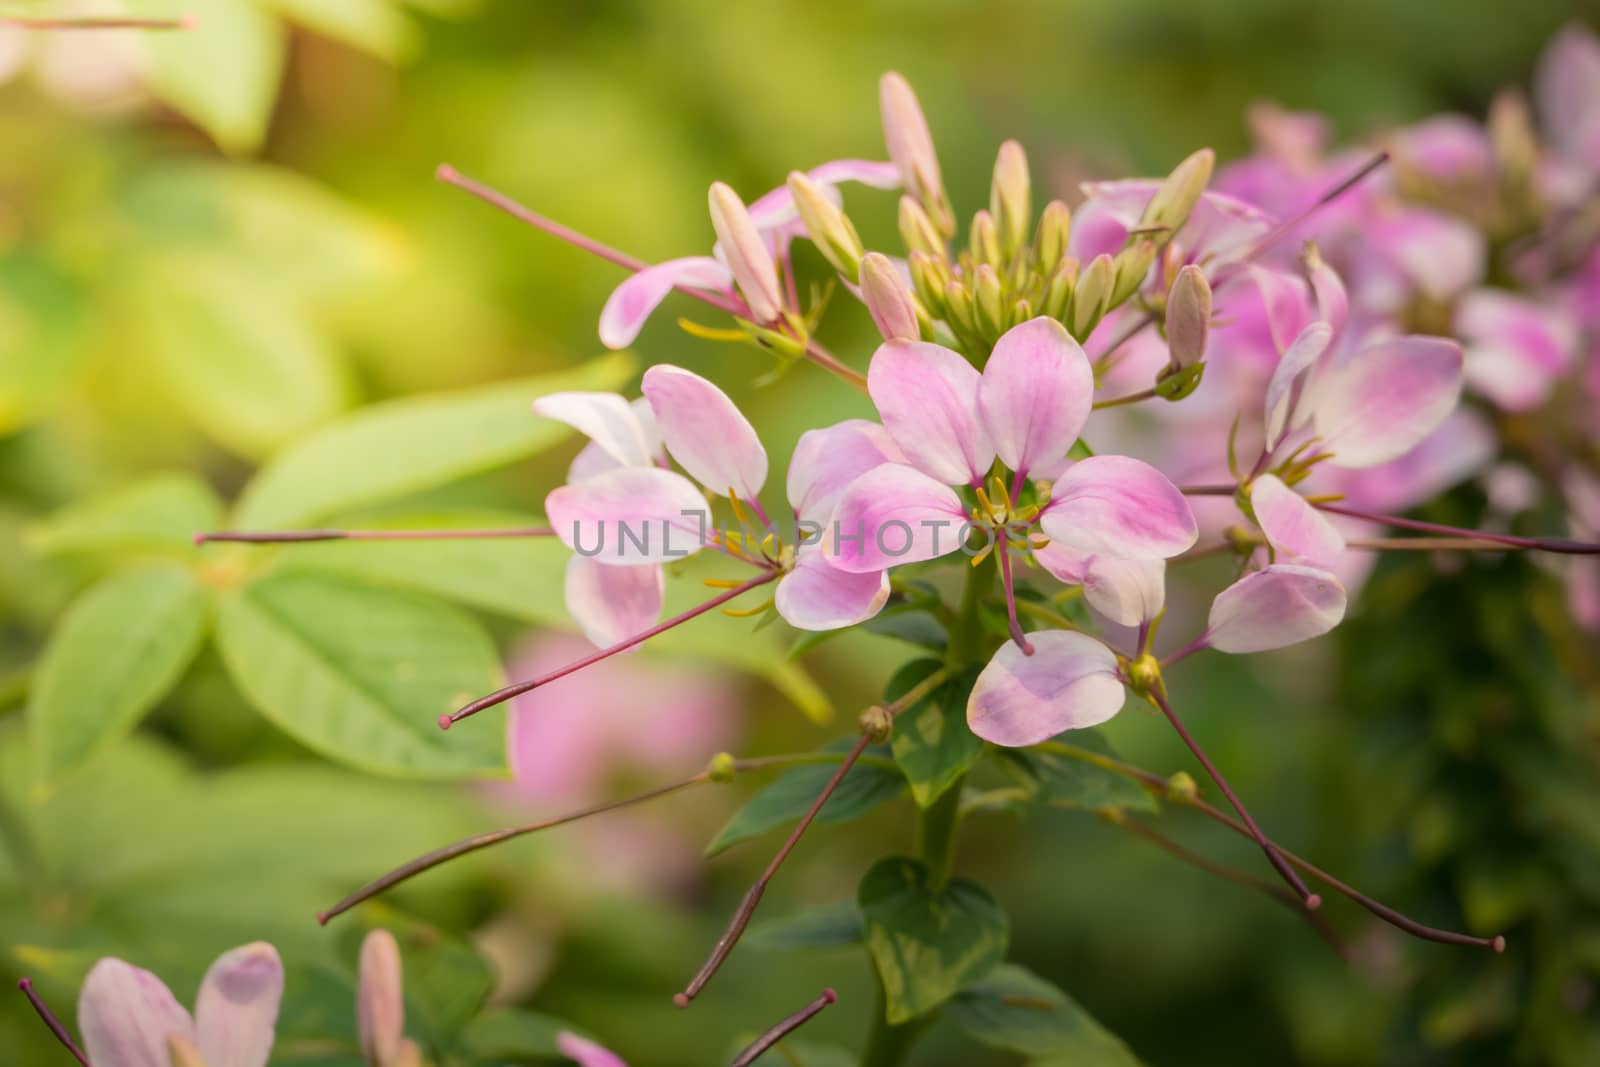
pixel 119 648
pixel 222 73
pixel 362 673
pixel 159 514
pixel 43 319
pixel 375 26
pixel 388 450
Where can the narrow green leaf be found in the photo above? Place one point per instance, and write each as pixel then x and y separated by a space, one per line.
pixel 159 514
pixel 222 73
pixel 786 800
pixel 388 450
pixel 931 740
pixel 927 944
pixel 1013 1008
pixel 119 648
pixel 831 926
pixel 1071 782
pixel 361 673
pixel 504 1034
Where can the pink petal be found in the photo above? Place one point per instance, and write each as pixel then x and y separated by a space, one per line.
pixel 1219 229
pixel 1295 529
pixel 1417 249
pixel 125 1015
pixel 611 604
pixel 816 595
pixel 1126 591
pixel 928 398
pixel 1035 393
pixel 1277 606
pixel 1516 348
pixel 1063 563
pixel 592 459
pixel 1287 305
pixel 236 1012
pixel 705 432
pixel 1386 399
pixel 631 303
pixel 891 515
pixel 1567 90
pixel 1069 682
pixel 1283 412
pixel 1116 506
pixel 606 419
pixel 1447 148
pixel 825 461
pixel 380 998
pixel 776 209
pixel 631 516
pixel 586 1053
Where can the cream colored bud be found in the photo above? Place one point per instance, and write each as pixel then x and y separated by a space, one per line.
pixel 1091 294
pixel 958 304
pixel 918 231
pixel 1170 207
pixel 380 999
pixel 1055 231
pixel 1132 267
pixel 984 241
pixel 905 133
pixel 1188 317
pixel 830 228
pixel 989 297
pixel 888 299
pixel 746 253
pixel 1059 296
pixel 928 276
pixel 181 1052
pixel 1011 197
pixel 1516 145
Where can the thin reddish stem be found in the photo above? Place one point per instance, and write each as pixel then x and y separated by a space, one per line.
pixel 500 696
pixel 1201 642
pixel 1559 545
pixel 273 537
pixel 1311 900
pixel 1208 490
pixel 50 1020
pixel 1424 544
pixel 1011 598
pixel 184 22
pixel 1283 229
pixel 778 1031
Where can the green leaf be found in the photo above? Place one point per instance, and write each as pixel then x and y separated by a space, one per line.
pixel 832 926
pixel 927 944
pixel 388 450
pixel 119 648
pixel 1013 1008
pixel 503 1034
pixel 866 786
pixel 43 325
pixel 361 673
pixel 246 364
pixel 797 1053
pixel 223 72
pixel 159 514
pixel 517 577
pixel 375 26
pixel 932 743
pixel 1072 781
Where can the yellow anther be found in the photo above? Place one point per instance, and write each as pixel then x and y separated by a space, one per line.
pixel 710 333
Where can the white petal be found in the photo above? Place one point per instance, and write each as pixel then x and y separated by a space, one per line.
pixel 610 603
pixel 1126 591
pixel 1069 682
pixel 125 1015
pixel 1277 606
pixel 705 432
pixel 631 516
pixel 1297 531
pixel 605 418
pixel 816 595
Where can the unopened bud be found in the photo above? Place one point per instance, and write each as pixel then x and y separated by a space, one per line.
pixel 876 724
pixel 1010 197
pixel 1132 267
pixel 1055 231
pixel 1144 674
pixel 928 277
pixel 984 240
pixel 1516 146
pixel 1058 298
pixel 380 1000
pixel 746 253
pixel 1170 207
pixel 890 302
pixel 918 231
pixel 1181 788
pixel 1188 318
pixel 989 298
pixel 181 1052
pixel 1090 296
pixel 830 228
pixel 958 303
pixel 410 1054
pixel 910 145
pixel 722 767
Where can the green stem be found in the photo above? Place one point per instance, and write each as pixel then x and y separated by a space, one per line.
pixel 888 1045
pixel 966 630
pixel 936 834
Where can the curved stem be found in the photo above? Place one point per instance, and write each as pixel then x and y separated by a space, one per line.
pixel 1131 398
pixel 1540 544
pixel 782 1029
pixel 50 1020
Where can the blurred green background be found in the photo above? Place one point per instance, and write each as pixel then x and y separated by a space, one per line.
pixel 167 304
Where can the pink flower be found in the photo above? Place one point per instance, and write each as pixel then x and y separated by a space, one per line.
pixel 380 1004
pixel 1517 348
pixel 1220 229
pixel 129 1017
pixel 586 1053
pixel 1567 93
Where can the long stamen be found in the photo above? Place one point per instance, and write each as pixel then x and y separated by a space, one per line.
pixel 500 696
pixel 1011 597
pixel 752 898
pixel 780 1030
pixel 49 1019
pixel 1559 545
pixel 1208 490
pixel 272 537
pixel 1159 786
pixel 1424 544
pixel 21 22
pixel 1131 398
pixel 1278 232
pixel 1311 900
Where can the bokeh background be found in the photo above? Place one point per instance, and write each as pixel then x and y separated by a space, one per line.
pixel 211 246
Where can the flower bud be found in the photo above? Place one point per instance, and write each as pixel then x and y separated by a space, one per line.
pixel 722 767
pixel 1058 297
pixel 887 298
pixel 876 723
pixel 1516 146
pixel 989 297
pixel 1090 295
pixel 1188 318
pixel 1010 197
pixel 1132 266
pixel 181 1052
pixel 984 241
pixel 928 277
pixel 1181 788
pixel 1055 230
pixel 746 253
pixel 958 302
pixel 905 132
pixel 918 231
pixel 410 1054
pixel 380 1003
pixel 830 228
pixel 1170 207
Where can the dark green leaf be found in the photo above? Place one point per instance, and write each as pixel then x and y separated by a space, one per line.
pixel 833 926
pixel 911 624
pixel 120 647
pixel 866 786
pixel 1065 775
pixel 927 944
pixel 1013 1008
pixel 362 673
pixel 502 1035
pixel 932 742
